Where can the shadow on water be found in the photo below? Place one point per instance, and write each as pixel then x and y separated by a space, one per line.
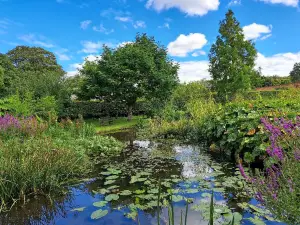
pixel 133 178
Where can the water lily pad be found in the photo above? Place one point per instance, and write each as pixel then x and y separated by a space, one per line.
pixel 78 209
pixel 177 198
pixel 257 221
pixel 125 192
pixel 111 197
pixel 99 214
pixel 192 191
pixel 140 192
pixel 113 177
pixel 100 204
pixel 109 182
pixel 113 187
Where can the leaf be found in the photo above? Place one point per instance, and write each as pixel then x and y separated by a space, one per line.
pixel 257 221
pixel 78 209
pixel 177 198
pixel 113 187
pixel 99 214
pixel 192 191
pixel 111 197
pixel 100 204
pixel 126 192
pixel 109 182
pixel 113 177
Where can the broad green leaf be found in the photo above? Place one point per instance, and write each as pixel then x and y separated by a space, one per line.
pixel 99 214
pixel 111 197
pixel 78 209
pixel 100 204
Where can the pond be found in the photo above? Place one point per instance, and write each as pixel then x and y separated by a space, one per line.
pixel 124 190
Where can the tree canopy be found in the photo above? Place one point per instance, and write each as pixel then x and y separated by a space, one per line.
pixel 295 73
pixel 232 59
pixel 140 69
pixel 31 69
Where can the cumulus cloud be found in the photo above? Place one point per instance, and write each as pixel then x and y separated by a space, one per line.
pixel 257 31
pixel 193 71
pixel 165 25
pixel 91 47
pixel 190 7
pixel 85 24
pixel 279 64
pixel 185 44
pixel 292 3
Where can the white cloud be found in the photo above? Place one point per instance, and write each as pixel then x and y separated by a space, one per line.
pixel 36 40
pixel 193 71
pixel 85 24
pixel 92 58
pixel 123 18
pixel 198 53
pixel 140 24
pixel 102 29
pixel 235 2
pixel 293 3
pixel 185 44
pixel 279 64
pixel 165 25
pixel 256 31
pixel 91 47
pixel 122 44
pixel 190 7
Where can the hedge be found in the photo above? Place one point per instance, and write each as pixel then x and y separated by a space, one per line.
pixel 96 109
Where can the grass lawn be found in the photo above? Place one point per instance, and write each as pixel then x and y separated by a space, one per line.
pixel 120 123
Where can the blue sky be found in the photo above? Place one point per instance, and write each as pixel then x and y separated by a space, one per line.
pixel 76 29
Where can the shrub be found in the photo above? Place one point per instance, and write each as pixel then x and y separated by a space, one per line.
pixel 279 187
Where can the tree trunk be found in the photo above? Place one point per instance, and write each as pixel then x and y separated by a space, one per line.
pixel 129 118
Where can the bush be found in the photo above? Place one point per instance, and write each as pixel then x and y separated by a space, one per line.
pixel 279 187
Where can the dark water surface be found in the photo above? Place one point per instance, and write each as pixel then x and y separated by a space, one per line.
pixel 180 166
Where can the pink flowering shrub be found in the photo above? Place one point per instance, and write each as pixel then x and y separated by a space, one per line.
pixel 11 126
pixel 278 188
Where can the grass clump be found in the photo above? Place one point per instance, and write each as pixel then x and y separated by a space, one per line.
pixel 38 157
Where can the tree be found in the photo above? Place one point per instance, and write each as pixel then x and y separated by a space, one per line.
pixel 295 73
pixel 140 69
pixel 232 59
pixel 1 77
pixel 8 76
pixel 37 71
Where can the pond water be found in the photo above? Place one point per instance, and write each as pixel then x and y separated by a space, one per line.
pixel 125 190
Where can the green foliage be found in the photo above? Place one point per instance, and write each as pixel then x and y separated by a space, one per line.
pixel 35 165
pixel 295 73
pixel 1 77
pixel 232 59
pixel 96 109
pixel 136 70
pixel 26 105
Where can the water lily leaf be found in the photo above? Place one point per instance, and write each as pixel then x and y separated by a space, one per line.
pixel 177 198
pixel 140 192
pixel 113 177
pixel 125 193
pixel 219 190
pixel 100 204
pixel 257 221
pixel 111 197
pixel 113 187
pixel 109 182
pixel 153 191
pixel 99 214
pixel 152 204
pixel 106 173
pixel 114 171
pixel 102 191
pixel 78 209
pixel 237 218
pixel 192 191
